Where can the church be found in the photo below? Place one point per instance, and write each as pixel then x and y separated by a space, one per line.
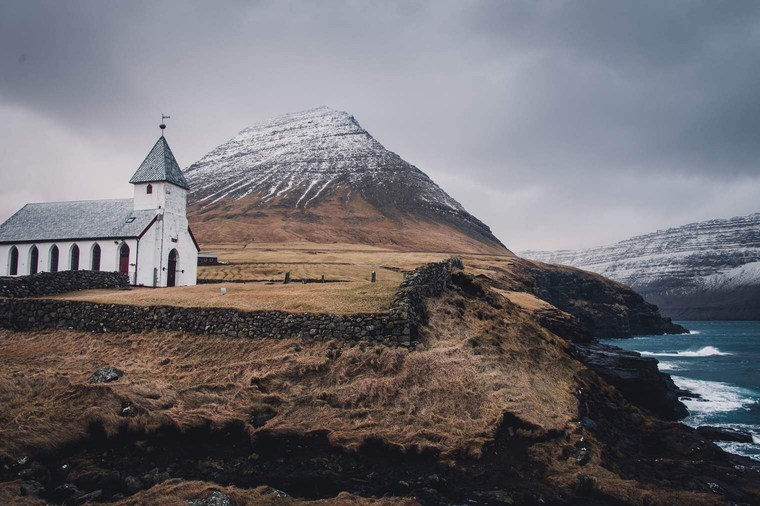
pixel 146 237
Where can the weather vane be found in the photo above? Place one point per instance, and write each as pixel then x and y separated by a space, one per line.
pixel 162 126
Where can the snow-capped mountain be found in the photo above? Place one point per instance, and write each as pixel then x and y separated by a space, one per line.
pixel 317 175
pixel 706 270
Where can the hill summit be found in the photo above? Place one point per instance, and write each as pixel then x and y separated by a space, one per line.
pixel 318 176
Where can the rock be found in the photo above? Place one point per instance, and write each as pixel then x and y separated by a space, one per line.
pixel 261 417
pixel 724 434
pixel 133 484
pixel 65 492
pixel 22 462
pixel 274 492
pixel 88 497
pixel 215 498
pixel 636 377
pixel 106 375
pixel 128 411
pixel 585 485
pixel 582 457
pixel 32 488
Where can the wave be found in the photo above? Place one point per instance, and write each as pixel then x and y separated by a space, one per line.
pixel 667 366
pixel 705 351
pixel 694 332
pixel 715 397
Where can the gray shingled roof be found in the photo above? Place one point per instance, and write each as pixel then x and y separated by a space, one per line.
pixel 88 219
pixel 160 165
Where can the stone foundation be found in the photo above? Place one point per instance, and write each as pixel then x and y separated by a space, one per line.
pixel 49 283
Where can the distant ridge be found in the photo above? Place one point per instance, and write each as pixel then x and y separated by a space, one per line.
pixel 702 271
pixel 318 176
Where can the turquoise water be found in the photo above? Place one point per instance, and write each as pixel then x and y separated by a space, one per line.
pixel 721 362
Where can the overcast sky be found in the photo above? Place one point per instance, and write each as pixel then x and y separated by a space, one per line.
pixel 559 124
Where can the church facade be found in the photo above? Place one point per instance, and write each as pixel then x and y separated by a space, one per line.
pixel 146 237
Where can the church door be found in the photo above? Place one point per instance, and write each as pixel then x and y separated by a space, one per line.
pixel 171 274
pixel 124 258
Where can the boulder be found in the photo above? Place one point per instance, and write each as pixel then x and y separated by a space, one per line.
pixel 106 375
pixel 215 498
pixel 724 434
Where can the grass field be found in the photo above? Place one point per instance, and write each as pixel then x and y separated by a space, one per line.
pixel 347 270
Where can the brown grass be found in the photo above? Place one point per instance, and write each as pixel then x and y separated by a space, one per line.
pixel 475 366
pixel 340 298
pixel 334 221
pixel 447 395
pixel 346 268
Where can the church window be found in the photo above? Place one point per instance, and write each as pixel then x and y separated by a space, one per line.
pixel 75 258
pixel 95 257
pixel 13 267
pixel 54 258
pixel 34 260
pixel 149 189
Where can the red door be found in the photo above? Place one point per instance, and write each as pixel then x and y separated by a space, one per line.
pixel 124 258
pixel 171 274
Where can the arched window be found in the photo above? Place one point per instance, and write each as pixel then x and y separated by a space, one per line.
pixel 74 257
pixel 34 260
pixel 95 264
pixel 149 189
pixel 124 258
pixel 13 261
pixel 54 258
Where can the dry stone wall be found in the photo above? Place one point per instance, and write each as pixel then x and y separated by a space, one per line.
pixel 49 283
pixel 397 326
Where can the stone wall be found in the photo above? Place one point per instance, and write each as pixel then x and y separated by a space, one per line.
pixel 49 283
pixel 397 326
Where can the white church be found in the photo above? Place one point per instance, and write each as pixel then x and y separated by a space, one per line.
pixel 147 237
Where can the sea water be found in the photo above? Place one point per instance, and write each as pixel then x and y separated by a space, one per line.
pixel 721 362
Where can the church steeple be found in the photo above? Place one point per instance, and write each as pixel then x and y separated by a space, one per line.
pixel 160 166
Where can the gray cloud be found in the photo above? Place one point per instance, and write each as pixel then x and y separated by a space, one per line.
pixel 560 124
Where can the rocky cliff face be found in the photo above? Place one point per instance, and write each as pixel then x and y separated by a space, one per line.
pixel 319 176
pixel 707 270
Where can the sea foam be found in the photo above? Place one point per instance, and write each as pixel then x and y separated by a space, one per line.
pixel 715 396
pixel 705 351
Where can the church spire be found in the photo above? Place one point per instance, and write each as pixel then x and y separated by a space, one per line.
pixel 160 165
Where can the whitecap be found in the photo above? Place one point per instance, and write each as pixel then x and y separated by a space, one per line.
pixel 705 351
pixel 667 366
pixel 715 396
pixel 694 332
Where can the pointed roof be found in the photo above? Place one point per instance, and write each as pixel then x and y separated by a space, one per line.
pixel 160 165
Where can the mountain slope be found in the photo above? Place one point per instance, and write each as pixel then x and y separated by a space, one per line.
pixel 318 176
pixel 706 270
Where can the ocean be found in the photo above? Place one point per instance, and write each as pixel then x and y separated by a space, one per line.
pixel 721 362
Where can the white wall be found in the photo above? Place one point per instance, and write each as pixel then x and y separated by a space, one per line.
pixel 109 256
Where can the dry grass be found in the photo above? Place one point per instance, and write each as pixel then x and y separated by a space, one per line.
pixel 448 395
pixel 339 298
pixel 179 492
pixel 334 221
pixel 348 266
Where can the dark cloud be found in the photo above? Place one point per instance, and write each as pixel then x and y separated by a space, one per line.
pixel 561 124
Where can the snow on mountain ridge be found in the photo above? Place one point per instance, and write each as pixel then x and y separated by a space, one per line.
pixel 299 156
pixel 684 259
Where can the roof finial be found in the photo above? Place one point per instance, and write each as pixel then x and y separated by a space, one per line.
pixel 162 126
